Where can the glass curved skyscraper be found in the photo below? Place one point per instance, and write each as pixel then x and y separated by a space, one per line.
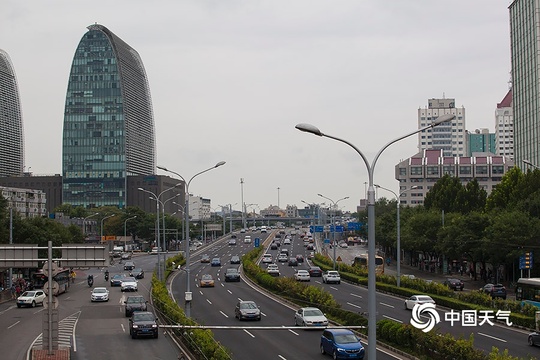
pixel 108 121
pixel 11 125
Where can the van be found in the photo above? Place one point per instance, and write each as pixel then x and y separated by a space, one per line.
pixel 247 239
pixel 284 251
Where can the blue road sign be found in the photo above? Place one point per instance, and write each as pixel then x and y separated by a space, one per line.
pixel 327 241
pixel 337 228
pixel 257 242
pixel 319 228
pixel 354 226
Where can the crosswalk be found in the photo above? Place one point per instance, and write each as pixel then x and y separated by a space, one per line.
pixel 66 331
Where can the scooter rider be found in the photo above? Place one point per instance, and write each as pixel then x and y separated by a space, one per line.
pixel 106 275
pixel 90 280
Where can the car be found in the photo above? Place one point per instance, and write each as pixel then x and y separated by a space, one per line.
pixel 300 258
pixel 126 256
pixel 207 281
pixel 247 309
pixel 232 274
pixel 129 265
pixel 235 259
pixel 134 303
pixel 99 294
pixel 315 271
pixel 311 255
pixel 343 245
pixel 309 247
pixel 331 276
pixel 31 298
pixel 293 261
pixel 232 242
pixel 267 258
pixel 285 251
pixel 306 242
pixel 242 231
pixel 273 246
pixel 495 290
pixel 454 284
pixel 302 275
pixel 273 269
pixel 534 338
pixel 283 257
pixel 287 241
pixel 154 251
pixel 216 262
pixel 116 280
pixel 418 299
pixel 137 273
pixel 341 344
pixel 129 284
pixel 143 323
pixel 247 239
pixel 205 258
pixel 310 316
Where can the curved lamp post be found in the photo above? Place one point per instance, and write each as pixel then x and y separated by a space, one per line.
pixel 84 222
pixel 527 162
pixel 102 220
pixel 398 278
pixel 333 227
pixel 372 306
pixel 125 229
pixel 186 213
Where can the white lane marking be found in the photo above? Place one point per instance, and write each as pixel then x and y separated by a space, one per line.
pixel 222 313
pixel 281 357
pixel 250 334
pixel 354 305
pixel 200 292
pixel 263 314
pixel 123 328
pixel 358 296
pixel 295 333
pixel 333 288
pixel 387 305
pixel 391 318
pixel 209 301
pixel 229 291
pixel 492 337
pixel 9 327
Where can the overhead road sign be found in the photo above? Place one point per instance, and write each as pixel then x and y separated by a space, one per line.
pixel 19 255
pixel 74 255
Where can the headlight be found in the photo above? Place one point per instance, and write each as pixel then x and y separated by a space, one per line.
pixel 340 349
pixel 154 326
pixel 135 326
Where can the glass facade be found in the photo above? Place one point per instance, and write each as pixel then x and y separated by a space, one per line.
pixel 524 37
pixel 108 121
pixel 11 125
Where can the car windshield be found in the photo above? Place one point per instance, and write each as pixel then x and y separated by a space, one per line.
pixel 135 299
pixel 424 298
pixel 142 317
pixel 303 272
pixel 248 306
pixel 29 293
pixel 232 271
pixel 207 277
pixel 137 270
pixel 100 290
pixel 346 339
pixel 313 312
pixel 129 279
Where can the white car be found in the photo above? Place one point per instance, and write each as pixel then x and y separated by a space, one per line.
pixel 31 298
pixel 247 239
pixel 287 241
pixel 310 316
pixel 273 269
pixel 267 258
pixel 129 284
pixel 418 299
pixel 283 257
pixel 302 275
pixel 99 294
pixel 331 276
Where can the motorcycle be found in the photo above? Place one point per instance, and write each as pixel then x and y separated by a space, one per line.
pixel 90 280
pixel 106 276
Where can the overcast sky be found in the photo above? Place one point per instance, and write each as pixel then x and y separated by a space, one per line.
pixel 230 79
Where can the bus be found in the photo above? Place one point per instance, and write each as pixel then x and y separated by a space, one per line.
pixel 528 291
pixel 62 279
pixel 362 261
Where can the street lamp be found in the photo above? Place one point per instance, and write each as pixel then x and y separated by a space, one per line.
pixel 398 229
pixel 188 295
pixel 84 222
pixel 106 217
pixel 125 230
pixel 531 164
pixel 183 220
pixel 372 289
pixel 333 227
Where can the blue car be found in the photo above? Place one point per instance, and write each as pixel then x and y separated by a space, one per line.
pixel 215 262
pixel 341 344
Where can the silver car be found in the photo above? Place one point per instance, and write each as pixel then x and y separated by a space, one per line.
pixel 129 284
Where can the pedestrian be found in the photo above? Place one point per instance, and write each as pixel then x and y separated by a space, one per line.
pixel 13 291
pixel 18 290
pixel 72 275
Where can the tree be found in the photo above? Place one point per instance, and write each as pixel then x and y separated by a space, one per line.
pixel 450 195
pixel 504 192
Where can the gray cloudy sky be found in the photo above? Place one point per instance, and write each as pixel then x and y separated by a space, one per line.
pixel 231 78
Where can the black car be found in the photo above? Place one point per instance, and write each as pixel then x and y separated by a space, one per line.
pixel 232 274
pixel 129 265
pixel 293 262
pixel 454 284
pixel 273 246
pixel 235 259
pixel 300 258
pixel 534 338
pixel 315 271
pixel 135 303
pixel 137 273
pixel 143 323
pixel 495 290
pixel 116 280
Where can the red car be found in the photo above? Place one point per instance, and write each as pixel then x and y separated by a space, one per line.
pixel 315 271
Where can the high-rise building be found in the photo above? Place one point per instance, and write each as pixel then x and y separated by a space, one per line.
pixel 11 125
pixel 525 56
pixel 504 127
pixel 481 141
pixel 108 121
pixel 449 136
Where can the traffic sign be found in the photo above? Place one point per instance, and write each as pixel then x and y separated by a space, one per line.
pixel 327 241
pixel 54 303
pixel 526 261
pixel 339 258
pixel 354 226
pixel 55 287
pixel 257 242
pixel 46 268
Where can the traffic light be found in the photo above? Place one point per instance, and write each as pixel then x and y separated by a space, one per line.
pixel 528 260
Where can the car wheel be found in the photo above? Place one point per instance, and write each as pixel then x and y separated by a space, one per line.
pixel 133 336
pixel 156 335
pixel 339 282
pixel 334 355
pixel 406 308
pixel 530 341
pixel 33 304
pixel 18 305
pixel 322 350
